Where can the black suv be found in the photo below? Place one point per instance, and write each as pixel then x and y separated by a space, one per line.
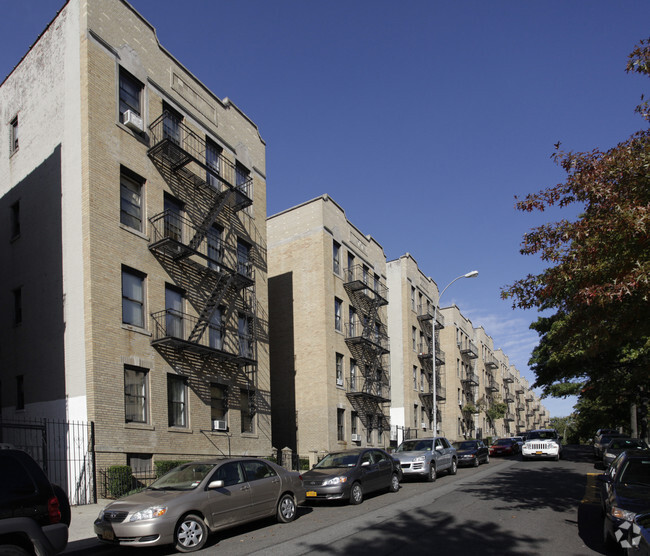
pixel 30 511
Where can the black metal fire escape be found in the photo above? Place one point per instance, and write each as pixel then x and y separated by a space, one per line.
pixel 367 339
pixel 221 277
pixel 425 354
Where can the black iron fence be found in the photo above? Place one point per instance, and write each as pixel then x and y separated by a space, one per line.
pixel 64 449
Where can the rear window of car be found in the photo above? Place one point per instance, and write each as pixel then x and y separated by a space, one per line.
pixel 15 481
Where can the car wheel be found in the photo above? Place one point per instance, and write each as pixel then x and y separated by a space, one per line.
pixel 454 467
pixel 557 457
pixel 13 550
pixel 191 534
pixel 394 483
pixel 432 475
pixel 356 494
pixel 286 509
pixel 476 462
pixel 608 540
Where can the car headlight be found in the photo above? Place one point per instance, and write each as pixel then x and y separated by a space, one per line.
pixel 419 458
pixel 335 481
pixel 620 513
pixel 149 513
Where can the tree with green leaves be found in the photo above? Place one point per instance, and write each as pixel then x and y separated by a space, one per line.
pixel 597 280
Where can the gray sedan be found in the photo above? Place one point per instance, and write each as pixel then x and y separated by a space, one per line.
pixel 618 445
pixel 352 474
pixel 198 498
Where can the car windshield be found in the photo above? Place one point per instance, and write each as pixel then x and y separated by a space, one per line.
pixel 333 461
pixel 636 472
pixel 468 445
pixel 541 435
pixel 627 444
pixel 415 446
pixel 503 442
pixel 183 477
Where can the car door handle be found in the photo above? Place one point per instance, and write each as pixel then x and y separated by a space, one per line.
pixel 245 487
pixel 275 481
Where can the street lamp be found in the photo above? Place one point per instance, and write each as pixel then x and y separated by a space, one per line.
pixel 472 274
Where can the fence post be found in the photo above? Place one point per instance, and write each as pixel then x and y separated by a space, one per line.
pixel 287 458
pixel 91 449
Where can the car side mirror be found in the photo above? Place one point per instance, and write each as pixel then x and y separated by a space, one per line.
pixel 216 484
pixel 365 464
pixel 604 478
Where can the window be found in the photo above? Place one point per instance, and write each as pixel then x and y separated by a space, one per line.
pixel 218 403
pixel 244 266
pixel 257 470
pixel 217 329
pixel 176 401
pixel 414 335
pixel 412 298
pixel 242 176
pixel 18 305
pixel 140 464
pixel 369 429
pixel 340 424
pixel 354 423
pixel 131 201
pixel 171 124
pixel 353 375
pixel 415 416
pixel 415 377
pixel 20 392
pixel 15 220
pixel 352 316
pixel 337 314
pixel 135 394
pixel 215 247
pixel 130 94
pixel 245 332
pixel 230 473
pixel 350 275
pixel 336 256
pixel 13 136
pixel 174 303
pixel 339 369
pixel 247 408
pixel 213 163
pixel 173 219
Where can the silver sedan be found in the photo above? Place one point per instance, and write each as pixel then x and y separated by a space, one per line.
pixel 195 499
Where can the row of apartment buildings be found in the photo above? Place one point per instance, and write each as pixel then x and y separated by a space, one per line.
pixel 143 287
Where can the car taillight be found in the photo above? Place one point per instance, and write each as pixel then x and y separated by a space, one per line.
pixel 300 477
pixel 53 509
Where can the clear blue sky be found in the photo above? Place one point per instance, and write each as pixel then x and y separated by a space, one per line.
pixel 423 119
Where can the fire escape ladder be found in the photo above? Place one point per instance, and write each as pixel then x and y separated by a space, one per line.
pixel 219 291
pixel 210 218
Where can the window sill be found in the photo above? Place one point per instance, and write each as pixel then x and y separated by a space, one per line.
pixel 134 231
pixel 249 435
pixel 182 430
pixel 139 426
pixel 137 329
pixel 143 137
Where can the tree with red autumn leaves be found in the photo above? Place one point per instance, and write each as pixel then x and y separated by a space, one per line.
pixel 598 278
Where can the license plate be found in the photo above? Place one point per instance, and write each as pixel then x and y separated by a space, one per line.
pixel 108 535
pixel 539 453
pixel 311 493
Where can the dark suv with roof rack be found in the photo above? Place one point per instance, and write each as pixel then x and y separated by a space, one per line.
pixel 30 511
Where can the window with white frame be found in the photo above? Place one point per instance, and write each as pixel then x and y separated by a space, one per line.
pixel 353 375
pixel 133 297
pixel 338 308
pixel 130 95
pixel 336 257
pixel 176 401
pixel 339 369
pixel 340 424
pixel 131 200
pixel 218 404
pixel 135 394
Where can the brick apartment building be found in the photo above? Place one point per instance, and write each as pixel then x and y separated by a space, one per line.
pixel 133 284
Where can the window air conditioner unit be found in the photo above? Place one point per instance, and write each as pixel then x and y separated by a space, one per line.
pixel 339 382
pixel 219 425
pixel 355 437
pixel 132 121
pixel 424 425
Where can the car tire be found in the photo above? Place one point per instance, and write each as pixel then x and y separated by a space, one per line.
pixel 286 509
pixel 609 542
pixel 557 457
pixel 476 462
pixel 356 494
pixel 394 483
pixel 13 550
pixel 432 475
pixel 191 533
pixel 454 467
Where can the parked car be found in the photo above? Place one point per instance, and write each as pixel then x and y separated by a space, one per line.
pixel 519 440
pixel 602 441
pixel 351 474
pixel 504 447
pixel 426 457
pixel 542 443
pixel 639 536
pixel 472 452
pixel 30 510
pixel 618 445
pixel 195 499
pixel 624 492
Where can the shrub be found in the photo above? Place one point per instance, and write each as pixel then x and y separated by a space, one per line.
pixel 119 480
pixel 164 466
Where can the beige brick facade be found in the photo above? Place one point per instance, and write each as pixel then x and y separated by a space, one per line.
pixel 208 254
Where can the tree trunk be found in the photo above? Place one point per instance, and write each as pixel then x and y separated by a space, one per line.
pixel 633 421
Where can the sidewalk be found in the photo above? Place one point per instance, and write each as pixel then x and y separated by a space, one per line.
pixel 81 535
